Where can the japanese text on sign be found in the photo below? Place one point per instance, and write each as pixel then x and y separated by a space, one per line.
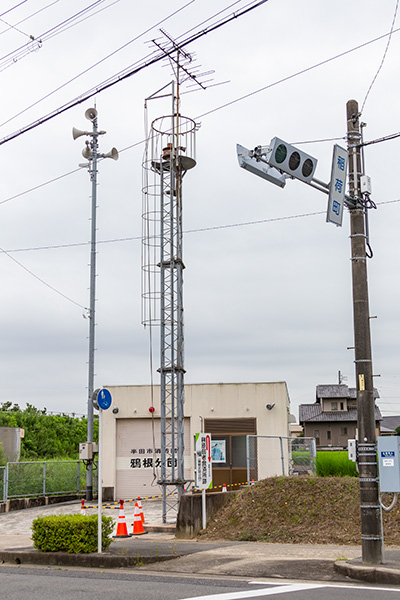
pixel 337 187
pixel 203 460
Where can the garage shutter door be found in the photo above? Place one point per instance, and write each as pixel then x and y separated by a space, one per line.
pixel 136 457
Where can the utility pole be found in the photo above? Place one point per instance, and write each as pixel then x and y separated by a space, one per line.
pixel 371 534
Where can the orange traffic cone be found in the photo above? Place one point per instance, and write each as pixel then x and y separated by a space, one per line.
pixel 82 507
pixel 137 522
pixel 139 503
pixel 224 487
pixel 122 528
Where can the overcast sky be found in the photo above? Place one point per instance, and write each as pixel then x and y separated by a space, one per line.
pixel 267 289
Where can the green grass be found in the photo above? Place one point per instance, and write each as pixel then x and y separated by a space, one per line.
pixel 334 464
pixel 301 457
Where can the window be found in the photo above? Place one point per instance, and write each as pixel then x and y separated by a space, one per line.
pixel 334 405
pixel 328 435
pixel 316 433
pixel 342 406
pixel 343 431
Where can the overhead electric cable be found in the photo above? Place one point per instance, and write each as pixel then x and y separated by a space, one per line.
pixel 187 231
pixel 129 73
pixel 306 70
pixel 110 83
pixel 42 280
pixel 99 62
pixel 32 15
pixel 22 51
pixel 13 8
pixel 383 58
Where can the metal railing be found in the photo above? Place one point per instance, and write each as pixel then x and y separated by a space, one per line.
pixel 270 455
pixel 44 478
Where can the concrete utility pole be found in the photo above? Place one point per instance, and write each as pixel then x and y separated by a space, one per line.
pixel 371 534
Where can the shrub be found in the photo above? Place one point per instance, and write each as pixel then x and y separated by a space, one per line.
pixel 70 533
pixel 334 464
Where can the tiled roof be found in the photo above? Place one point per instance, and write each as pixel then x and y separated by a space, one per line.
pixel 313 413
pixel 332 391
pixel 353 393
pixel 390 423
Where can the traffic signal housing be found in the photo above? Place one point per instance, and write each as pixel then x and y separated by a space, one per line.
pixel 288 159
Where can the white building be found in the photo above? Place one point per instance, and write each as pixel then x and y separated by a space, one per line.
pixel 229 412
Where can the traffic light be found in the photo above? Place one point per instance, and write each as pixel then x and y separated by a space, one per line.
pixel 291 160
pixel 258 167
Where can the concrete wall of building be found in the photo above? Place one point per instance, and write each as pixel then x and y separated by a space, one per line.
pixel 10 440
pixel 202 401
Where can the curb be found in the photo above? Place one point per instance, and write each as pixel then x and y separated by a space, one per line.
pixel 101 561
pixel 371 574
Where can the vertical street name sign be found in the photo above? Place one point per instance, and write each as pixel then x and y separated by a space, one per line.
pixel 337 188
pixel 203 461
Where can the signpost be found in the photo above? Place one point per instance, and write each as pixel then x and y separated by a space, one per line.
pixel 337 187
pixel 202 444
pixel 101 401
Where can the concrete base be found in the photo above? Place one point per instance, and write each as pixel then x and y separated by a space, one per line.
pixel 190 520
pixel 21 503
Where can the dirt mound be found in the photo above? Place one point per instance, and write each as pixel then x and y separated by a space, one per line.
pixel 314 510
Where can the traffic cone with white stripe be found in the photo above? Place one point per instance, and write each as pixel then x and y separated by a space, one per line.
pixel 122 527
pixel 137 522
pixel 82 507
pixel 139 503
pixel 224 487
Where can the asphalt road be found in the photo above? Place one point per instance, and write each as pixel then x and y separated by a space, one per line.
pixel 23 583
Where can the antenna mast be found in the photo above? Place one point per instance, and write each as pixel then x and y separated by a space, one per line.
pixel 169 154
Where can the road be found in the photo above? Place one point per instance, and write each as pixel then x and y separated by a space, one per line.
pixel 38 583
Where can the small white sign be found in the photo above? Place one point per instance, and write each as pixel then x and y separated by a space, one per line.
pixel 388 462
pixel 337 188
pixel 203 461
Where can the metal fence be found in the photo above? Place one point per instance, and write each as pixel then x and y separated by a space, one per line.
pixel 45 478
pixel 269 455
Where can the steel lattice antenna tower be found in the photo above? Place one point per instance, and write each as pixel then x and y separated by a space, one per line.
pixel 170 153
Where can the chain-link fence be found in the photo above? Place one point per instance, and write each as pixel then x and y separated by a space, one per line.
pixel 269 455
pixel 24 479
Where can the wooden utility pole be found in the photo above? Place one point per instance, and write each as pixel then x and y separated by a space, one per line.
pixel 371 534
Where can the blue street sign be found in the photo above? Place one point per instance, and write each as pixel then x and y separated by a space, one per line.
pixel 337 188
pixel 104 399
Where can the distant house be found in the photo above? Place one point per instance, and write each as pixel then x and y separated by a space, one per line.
pixel 332 419
pixel 390 424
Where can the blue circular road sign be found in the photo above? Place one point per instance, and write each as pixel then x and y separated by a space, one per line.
pixel 104 399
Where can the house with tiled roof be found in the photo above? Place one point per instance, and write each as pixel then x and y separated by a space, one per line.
pixel 332 419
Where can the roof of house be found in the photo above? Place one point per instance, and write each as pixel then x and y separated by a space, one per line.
pixel 336 390
pixel 390 423
pixel 313 413
pixel 332 391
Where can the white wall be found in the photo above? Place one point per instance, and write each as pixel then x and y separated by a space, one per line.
pixel 202 401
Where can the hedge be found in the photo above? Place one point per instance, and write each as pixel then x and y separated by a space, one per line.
pixel 70 533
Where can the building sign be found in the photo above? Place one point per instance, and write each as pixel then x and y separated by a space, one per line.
pixel 145 458
pixel 337 188
pixel 203 461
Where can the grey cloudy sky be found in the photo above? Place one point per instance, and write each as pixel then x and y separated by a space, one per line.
pixel 267 281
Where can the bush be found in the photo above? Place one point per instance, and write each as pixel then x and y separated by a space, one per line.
pixel 334 464
pixel 70 533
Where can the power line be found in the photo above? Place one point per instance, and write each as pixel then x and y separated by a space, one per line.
pixel 186 232
pixel 37 42
pixel 42 280
pixel 13 8
pixel 297 74
pixel 121 77
pixel 97 63
pixel 383 58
